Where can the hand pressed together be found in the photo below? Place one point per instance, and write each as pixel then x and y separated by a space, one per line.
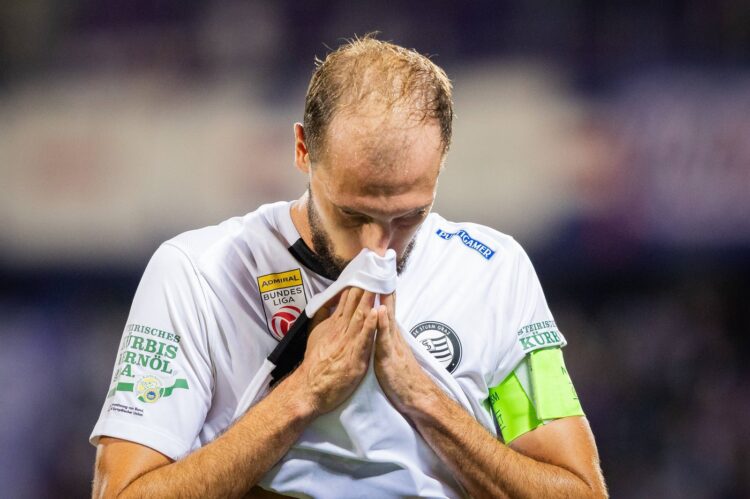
pixel 341 345
pixel 401 377
pixel 339 349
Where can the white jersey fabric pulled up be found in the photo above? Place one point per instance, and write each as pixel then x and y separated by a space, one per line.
pixel 206 315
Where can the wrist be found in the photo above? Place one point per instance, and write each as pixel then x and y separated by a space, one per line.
pixel 299 398
pixel 423 404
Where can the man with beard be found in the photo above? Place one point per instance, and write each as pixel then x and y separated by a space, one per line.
pixel 360 415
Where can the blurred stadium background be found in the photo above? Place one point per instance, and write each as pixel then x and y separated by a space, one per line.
pixel 612 139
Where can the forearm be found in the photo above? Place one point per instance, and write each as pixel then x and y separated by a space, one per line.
pixel 485 466
pixel 230 465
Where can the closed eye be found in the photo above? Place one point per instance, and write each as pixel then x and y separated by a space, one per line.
pixel 413 218
pixel 356 218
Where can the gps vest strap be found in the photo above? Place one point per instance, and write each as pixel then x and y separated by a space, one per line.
pixel 291 349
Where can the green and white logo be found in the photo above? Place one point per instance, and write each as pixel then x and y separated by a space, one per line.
pixel 147 356
pixel 148 389
pixel 540 335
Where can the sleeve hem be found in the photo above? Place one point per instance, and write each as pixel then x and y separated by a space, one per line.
pixel 125 430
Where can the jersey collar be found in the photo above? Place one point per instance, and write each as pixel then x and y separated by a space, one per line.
pixel 304 255
pixel 298 249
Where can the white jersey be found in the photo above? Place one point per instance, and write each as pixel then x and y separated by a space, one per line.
pixel 213 303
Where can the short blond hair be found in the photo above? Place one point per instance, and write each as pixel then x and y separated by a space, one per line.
pixel 365 70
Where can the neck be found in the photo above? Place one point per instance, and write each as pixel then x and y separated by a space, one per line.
pixel 301 221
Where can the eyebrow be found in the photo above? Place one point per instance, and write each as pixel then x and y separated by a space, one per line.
pixel 353 211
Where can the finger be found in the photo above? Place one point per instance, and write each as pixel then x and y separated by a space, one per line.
pixel 384 319
pixel 367 301
pixel 361 312
pixel 383 338
pixel 364 339
pixel 341 301
pixel 390 302
pixel 352 300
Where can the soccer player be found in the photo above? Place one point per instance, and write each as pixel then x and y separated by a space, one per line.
pixel 454 385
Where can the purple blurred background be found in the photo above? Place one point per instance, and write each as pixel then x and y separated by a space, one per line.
pixel 613 141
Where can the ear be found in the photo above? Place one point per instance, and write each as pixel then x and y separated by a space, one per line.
pixel 301 156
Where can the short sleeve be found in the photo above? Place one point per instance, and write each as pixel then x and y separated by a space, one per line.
pixel 161 387
pixel 525 321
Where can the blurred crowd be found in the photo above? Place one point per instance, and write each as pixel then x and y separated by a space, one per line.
pixel 613 141
pixel 658 361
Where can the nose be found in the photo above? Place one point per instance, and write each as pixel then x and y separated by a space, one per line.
pixel 377 237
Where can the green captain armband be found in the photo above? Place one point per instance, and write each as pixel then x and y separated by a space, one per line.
pixel 514 412
pixel 537 391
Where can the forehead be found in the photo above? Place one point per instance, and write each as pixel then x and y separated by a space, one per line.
pixel 381 155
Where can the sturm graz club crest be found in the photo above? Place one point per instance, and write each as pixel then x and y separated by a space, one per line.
pixel 440 341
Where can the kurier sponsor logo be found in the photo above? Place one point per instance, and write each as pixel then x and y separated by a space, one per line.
pixel 283 297
pixel 440 341
pixel 540 335
pixel 468 241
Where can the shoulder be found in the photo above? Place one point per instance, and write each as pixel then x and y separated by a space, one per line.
pixel 224 252
pixel 462 239
pixel 240 236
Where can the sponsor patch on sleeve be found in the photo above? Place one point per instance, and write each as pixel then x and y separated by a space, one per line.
pixel 284 299
pixel 146 367
pixel 468 241
pixel 538 335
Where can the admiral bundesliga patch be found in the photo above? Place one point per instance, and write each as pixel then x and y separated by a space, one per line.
pixel 283 299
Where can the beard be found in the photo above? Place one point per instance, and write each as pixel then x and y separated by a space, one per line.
pixel 323 247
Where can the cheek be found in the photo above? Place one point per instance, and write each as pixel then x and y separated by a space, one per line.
pixel 402 236
pixel 346 241
pixel 344 238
